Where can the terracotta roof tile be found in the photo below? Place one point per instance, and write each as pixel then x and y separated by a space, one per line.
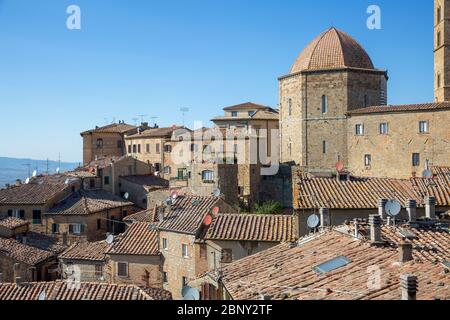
pixel 402 108
pixel 158 294
pixel 142 216
pixel 87 251
pixel 148 180
pixel 248 227
pixel 246 105
pixel 12 223
pixel 85 202
pixel 112 128
pixel 137 240
pixel 332 49
pixel 286 272
pixel 61 291
pixel 155 133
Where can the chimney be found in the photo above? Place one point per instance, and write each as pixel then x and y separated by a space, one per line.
pixel 18 182
pixel 324 217
pixel 430 208
pixel 381 204
pixel 64 239
pixel 411 206
pixel 408 286
pixel 16 269
pixel 18 281
pixel 375 228
pixel 405 250
pixel 356 226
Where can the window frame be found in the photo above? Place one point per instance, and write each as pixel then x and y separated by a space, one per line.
pixel 207 175
pixel 386 125
pixel 361 133
pixel 425 128
pixel 324 102
pixel 234 114
pixel 125 263
pixel 367 160
pixel 165 244
pixel 416 159
pixel 185 253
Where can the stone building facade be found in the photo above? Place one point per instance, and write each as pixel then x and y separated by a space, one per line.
pixel 441 50
pixel 330 77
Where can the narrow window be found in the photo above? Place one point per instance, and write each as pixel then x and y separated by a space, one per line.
pixel 139 148
pixel 367 160
pixel 324 104
pixel 99 143
pixel 99 224
pixel 147 148
pixel 122 269
pixel 55 228
pixel 423 127
pixel 438 40
pixel 106 180
pixel 98 271
pixel 165 244
pixel 158 151
pixel 438 15
pixel 37 217
pixel 324 147
pixel 92 183
pixel 134 148
pixel 119 144
pixel 384 128
pixel 10 213
pixel 439 80
pixel 165 277
pixel 366 101
pixel 129 148
pixel 290 106
pixel 184 281
pixel 416 159
pixel 184 248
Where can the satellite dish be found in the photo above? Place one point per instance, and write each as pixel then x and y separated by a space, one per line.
pixel 313 221
pixel 174 195
pixel 215 211
pixel 126 195
pixel 110 239
pixel 34 173
pixel 216 192
pixel 393 208
pixel 169 201
pixel 190 293
pixel 427 174
pixel 207 221
pixel 58 170
pixel 42 296
pixel 27 181
pixel 340 166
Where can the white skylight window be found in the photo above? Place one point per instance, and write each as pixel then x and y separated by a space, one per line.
pixel 332 265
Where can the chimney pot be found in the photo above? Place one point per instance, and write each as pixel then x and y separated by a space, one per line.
pixel 408 285
pixel 381 212
pixel 430 208
pixel 375 228
pixel 324 217
pixel 411 208
pixel 405 252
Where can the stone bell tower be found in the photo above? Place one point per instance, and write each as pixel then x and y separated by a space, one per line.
pixel 442 50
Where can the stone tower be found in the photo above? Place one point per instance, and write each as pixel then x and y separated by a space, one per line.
pixel 332 75
pixel 442 50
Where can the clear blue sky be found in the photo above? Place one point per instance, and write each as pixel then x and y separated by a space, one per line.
pixel 153 57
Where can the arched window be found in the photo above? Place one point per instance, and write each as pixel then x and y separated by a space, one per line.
pixel 324 104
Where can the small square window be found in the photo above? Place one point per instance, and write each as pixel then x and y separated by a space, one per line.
pixel 227 256
pixel 234 114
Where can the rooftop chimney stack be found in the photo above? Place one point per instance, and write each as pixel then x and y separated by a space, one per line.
pixel 408 285
pixel 375 228
pixel 405 250
pixel 16 269
pixel 430 208
pixel 324 217
pixel 64 239
pixel 18 281
pixel 381 204
pixel 411 208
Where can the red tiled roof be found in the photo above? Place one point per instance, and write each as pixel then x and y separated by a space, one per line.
pixel 155 133
pixel 332 49
pixel 85 202
pixel 187 213
pixel 147 180
pixel 60 290
pixel 87 251
pixel 112 128
pixel 246 105
pixel 249 227
pixel 402 108
pixel 137 240
pixel 12 223
pixel 142 216
pixel 105 162
pixel 286 272
pixel 364 193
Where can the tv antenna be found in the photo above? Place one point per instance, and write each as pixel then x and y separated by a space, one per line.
pixel 28 165
pixel 135 120
pixel 154 120
pixel 142 116
pixel 183 112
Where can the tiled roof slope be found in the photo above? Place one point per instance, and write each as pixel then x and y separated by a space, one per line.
pixel 86 251
pixel 402 108
pixel 285 272
pixel 249 227
pixel 36 249
pixel 111 128
pixel 155 133
pixel 38 191
pixel 137 240
pixel 246 105
pixel 12 223
pixel 148 216
pixel 104 162
pixel 364 193
pixel 147 180
pixel 187 213
pixel 85 202
pixel 332 49
pixel 59 290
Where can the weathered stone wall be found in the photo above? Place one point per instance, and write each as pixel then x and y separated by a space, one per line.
pixel 442 51
pixel 113 145
pixel 142 270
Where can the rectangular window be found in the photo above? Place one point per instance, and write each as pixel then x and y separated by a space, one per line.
pixel 168 148
pixel 98 271
pixel 92 183
pixel 147 148
pixel 99 143
pixel 119 144
pixel 37 217
pixel 332 265
pixel 139 148
pixel 55 228
pixel 208 175
pixel 416 159
pixel 438 80
pixel 324 104
pixel 165 277
pixel 99 224
pixel 226 256
pixel 324 147
pixel 290 106
pixel 184 281
pixel 250 113
pixel 367 160
pixel 384 129
pixel 10 213
pixel 134 148
pixel 165 244
pixel 203 250
pixel 158 150
pixel 129 148
pixel 167 170
pixel 234 114
pixel 76 228
pixel 106 180
pixel 423 127
pixel 122 269
pixel 359 129
pixel 184 248
pixel 438 40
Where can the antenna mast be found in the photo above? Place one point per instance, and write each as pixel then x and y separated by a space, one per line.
pixel 183 112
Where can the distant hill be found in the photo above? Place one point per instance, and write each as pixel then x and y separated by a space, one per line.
pixel 12 169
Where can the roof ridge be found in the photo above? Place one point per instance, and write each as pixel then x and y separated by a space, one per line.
pixel 313 51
